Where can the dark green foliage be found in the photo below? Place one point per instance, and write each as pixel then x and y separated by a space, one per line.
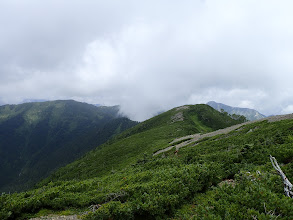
pixel 156 189
pixel 36 138
pixel 147 137
pixel 257 191
pixel 210 118
pixel 223 177
pixel 239 118
pixel 253 197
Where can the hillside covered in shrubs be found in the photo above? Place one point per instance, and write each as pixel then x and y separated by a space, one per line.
pixel 227 176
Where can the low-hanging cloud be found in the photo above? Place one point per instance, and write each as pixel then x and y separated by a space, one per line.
pixel 151 56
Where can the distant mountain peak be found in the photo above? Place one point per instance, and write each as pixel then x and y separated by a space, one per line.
pixel 250 114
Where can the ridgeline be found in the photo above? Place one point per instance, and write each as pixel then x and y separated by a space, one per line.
pixel 223 176
pixel 37 138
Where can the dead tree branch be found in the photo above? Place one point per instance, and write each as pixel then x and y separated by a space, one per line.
pixel 287 185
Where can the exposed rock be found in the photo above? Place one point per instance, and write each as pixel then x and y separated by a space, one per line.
pixel 279 117
pixel 163 150
pixel 56 217
pixel 230 182
pixel 177 117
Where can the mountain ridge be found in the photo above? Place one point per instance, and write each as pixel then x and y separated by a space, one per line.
pixel 250 114
pixel 190 139
pixel 32 135
pixel 146 137
pixel 219 175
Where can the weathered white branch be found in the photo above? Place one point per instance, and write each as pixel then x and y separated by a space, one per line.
pixel 287 185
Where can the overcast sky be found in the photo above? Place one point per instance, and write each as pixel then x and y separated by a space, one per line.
pixel 148 56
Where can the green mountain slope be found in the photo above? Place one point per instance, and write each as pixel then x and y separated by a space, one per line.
pixel 225 176
pixel 144 139
pixel 36 138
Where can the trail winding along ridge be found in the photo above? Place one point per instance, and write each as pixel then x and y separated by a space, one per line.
pixel 184 141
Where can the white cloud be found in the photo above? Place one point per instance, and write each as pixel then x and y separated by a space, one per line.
pixel 288 109
pixel 148 56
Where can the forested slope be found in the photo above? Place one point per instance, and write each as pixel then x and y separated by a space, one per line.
pixel 89 181
pixel 143 140
pixel 36 138
pixel 227 176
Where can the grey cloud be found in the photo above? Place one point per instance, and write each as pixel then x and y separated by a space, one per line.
pixel 148 56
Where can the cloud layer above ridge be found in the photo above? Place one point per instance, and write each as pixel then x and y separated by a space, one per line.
pixel 148 56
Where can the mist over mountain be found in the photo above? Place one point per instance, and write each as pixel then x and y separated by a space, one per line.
pixel 36 138
pixel 33 100
pixel 250 114
pixel 148 60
